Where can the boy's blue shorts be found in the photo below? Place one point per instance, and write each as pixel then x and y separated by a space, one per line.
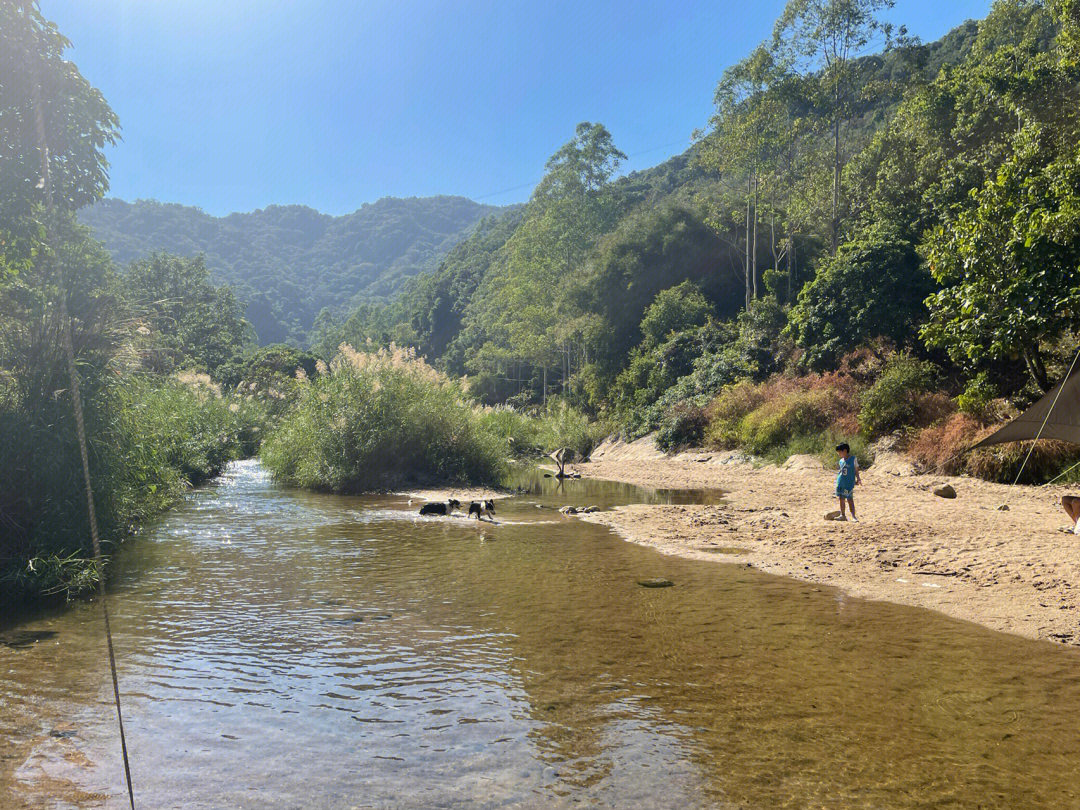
pixel 845 493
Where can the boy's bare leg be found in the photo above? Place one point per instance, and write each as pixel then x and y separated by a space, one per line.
pixel 843 510
pixel 851 504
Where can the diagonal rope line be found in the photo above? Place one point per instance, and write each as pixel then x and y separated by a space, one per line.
pixel 80 428
pixel 76 403
pixel 1046 418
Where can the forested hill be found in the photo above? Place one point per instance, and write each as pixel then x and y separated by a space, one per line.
pixel 288 262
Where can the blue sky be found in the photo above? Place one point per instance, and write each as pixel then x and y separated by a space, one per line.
pixel 233 105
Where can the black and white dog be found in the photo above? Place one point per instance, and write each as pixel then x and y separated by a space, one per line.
pixel 482 509
pixel 440 508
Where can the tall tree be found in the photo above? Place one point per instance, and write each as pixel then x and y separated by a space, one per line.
pixel 49 116
pixel 826 38
pixel 1010 263
pixel 749 133
pixel 520 309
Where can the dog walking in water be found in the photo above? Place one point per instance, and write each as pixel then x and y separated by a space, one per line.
pixel 482 509
pixel 440 508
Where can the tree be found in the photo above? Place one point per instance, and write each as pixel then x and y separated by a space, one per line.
pixel 49 116
pixel 673 310
pixel 873 287
pixel 749 132
pixel 190 321
pixel 1010 262
pixel 826 37
pixel 521 306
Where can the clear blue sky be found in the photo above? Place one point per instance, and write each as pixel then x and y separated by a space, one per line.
pixel 233 105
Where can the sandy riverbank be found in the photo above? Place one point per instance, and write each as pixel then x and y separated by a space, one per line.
pixel 1011 570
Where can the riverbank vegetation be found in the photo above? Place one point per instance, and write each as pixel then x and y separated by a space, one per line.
pixel 866 247
pixel 145 340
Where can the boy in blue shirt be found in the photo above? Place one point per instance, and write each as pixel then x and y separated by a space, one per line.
pixel 846 479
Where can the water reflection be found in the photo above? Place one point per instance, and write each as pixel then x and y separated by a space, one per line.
pixel 284 649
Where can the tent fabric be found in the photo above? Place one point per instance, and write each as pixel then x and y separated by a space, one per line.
pixel 1063 424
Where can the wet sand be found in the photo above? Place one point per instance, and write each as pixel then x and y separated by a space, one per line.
pixel 1012 570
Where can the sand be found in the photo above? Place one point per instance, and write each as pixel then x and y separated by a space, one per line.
pixel 1013 570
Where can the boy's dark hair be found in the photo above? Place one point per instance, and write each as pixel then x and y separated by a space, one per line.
pixel 843 446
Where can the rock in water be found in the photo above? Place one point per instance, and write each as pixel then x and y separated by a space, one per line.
pixel 945 492
pixel 569 510
pixel 655 583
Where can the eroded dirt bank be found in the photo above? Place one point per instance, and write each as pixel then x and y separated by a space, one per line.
pixel 1012 570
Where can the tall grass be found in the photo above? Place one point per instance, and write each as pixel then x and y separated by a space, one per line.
pixel 151 438
pixel 378 419
pixel 532 433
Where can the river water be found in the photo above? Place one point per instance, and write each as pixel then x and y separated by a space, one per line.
pixel 281 649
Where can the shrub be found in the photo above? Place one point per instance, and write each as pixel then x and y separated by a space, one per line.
pixel 945 447
pixel 682 426
pixel 766 416
pixel 726 411
pixel 892 401
pixel 560 425
pixel 777 421
pixel 675 309
pixel 977 400
pixel 151 438
pixel 378 419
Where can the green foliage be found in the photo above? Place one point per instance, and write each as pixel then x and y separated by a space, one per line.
pixel 873 287
pixel 151 439
pixel 269 375
pixel 892 401
pixel 673 310
pixel 778 420
pixel 522 319
pixel 377 420
pixel 652 250
pixel 1008 262
pixel 544 431
pixel 76 125
pixel 978 397
pixel 186 320
pixel 651 373
pixel 682 425
pixel 288 263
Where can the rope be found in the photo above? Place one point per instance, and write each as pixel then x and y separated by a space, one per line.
pixel 1062 474
pixel 1046 418
pixel 80 428
pixel 76 405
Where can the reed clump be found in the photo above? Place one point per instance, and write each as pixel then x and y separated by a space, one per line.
pixel 151 439
pixel 379 418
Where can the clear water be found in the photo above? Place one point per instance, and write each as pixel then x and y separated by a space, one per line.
pixel 280 649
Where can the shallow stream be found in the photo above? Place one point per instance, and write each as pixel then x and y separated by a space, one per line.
pixel 281 649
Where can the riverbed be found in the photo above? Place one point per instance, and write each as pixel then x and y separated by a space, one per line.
pixel 282 649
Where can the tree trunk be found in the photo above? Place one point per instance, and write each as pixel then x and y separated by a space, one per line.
pixel 836 186
pixel 753 265
pixel 746 271
pixel 1036 368
pixel 772 241
pixel 790 267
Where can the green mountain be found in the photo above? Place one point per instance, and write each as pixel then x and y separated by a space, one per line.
pixel 289 262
